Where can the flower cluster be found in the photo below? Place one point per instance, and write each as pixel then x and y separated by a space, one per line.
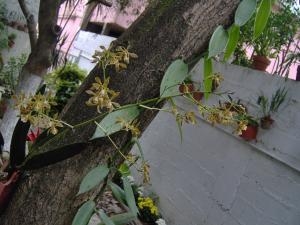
pixel 146 173
pixel 119 57
pixel 220 116
pixel 147 204
pixel 228 113
pixel 35 109
pixel 127 126
pixel 216 78
pixel 102 96
pixel 187 117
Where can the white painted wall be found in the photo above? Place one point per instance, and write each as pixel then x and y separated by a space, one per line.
pixel 215 178
pixel 14 13
pixel 22 45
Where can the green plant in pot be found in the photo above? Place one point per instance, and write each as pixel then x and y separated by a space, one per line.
pixel 248 127
pixel 269 106
pixel 11 40
pixel 280 29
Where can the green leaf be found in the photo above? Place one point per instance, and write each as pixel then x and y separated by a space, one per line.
pixel 106 220
pixel 93 178
pixel 217 42
pixel 124 170
pixel 179 125
pixel 208 70
pixel 84 213
pixel 130 196
pixel 109 123
pixel 118 192
pixel 122 219
pixel 244 12
pixel 176 73
pixel 234 34
pixel 262 17
pixel 138 144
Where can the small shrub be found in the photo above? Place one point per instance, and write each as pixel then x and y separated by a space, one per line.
pixel 64 82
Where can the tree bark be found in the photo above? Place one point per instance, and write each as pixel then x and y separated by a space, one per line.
pixel 38 61
pixel 167 30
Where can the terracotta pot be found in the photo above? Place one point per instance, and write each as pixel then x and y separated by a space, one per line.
pixel 6 188
pixel 186 88
pixel 198 95
pixel 260 62
pixel 266 122
pixel 250 133
pixel 11 43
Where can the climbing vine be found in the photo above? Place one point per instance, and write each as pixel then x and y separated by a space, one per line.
pixel 116 117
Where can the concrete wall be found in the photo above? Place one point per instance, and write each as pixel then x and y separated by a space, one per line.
pixel 14 14
pixel 215 178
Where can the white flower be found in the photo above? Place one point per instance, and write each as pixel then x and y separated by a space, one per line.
pixel 160 221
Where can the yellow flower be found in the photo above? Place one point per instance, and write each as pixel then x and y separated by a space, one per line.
pixel 241 126
pixel 119 57
pixel 101 95
pixel 146 173
pixel 127 126
pixel 190 117
pixel 34 109
pixel 147 203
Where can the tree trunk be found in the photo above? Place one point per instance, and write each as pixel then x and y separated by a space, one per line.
pixel 88 12
pixel 165 31
pixel 38 61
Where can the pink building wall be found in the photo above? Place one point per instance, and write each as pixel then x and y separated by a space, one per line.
pixel 113 14
pixel 123 18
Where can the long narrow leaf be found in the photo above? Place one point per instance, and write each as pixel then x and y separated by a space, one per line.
pixel 106 220
pixel 217 42
pixel 234 35
pixel 118 192
pixel 208 70
pixel 130 197
pixel 262 16
pixel 244 12
pixel 122 219
pixel 84 213
pixel 93 178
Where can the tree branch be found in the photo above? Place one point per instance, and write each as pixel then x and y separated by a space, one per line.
pixel 42 55
pixel 103 2
pixel 31 24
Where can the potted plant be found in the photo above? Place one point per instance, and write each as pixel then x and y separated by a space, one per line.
pixel 270 106
pixel 247 127
pixel 188 87
pixel 11 39
pixel 280 29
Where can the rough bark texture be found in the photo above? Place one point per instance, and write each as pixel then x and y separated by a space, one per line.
pixel 171 29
